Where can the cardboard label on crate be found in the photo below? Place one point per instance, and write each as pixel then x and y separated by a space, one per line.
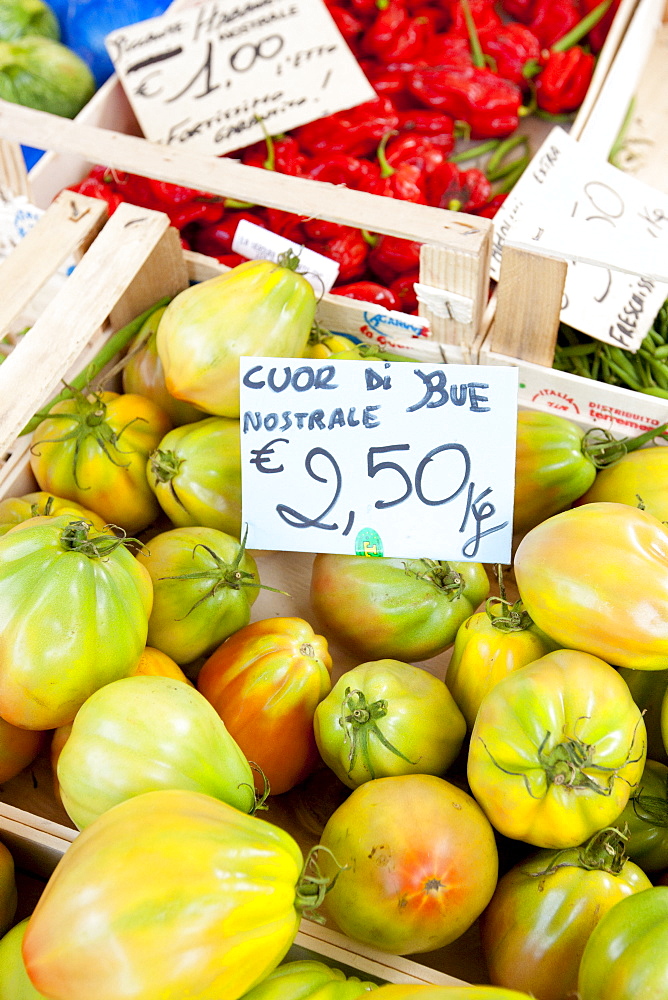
pixel 379 458
pixel 257 243
pixel 612 228
pixel 209 77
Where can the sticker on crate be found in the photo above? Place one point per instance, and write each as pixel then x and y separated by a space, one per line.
pixel 211 78
pixel 399 459
pixel 258 243
pixel 574 205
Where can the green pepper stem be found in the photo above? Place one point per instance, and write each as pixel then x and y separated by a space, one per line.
pixel 582 28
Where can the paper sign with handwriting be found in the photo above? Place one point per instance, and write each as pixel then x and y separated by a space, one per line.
pixel 577 206
pixel 403 459
pixel 201 79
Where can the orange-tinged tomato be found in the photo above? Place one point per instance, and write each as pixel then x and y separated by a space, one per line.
pixel 556 750
pixel 265 682
pixel 94 450
pixel 155 663
pixel 14 510
pixel 14 982
pixel 420 863
pixel 168 895
pixel 595 578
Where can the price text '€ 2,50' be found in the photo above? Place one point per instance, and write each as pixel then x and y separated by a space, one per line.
pixel 405 468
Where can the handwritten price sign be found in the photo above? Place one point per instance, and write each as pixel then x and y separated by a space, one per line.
pixel 612 228
pixel 203 78
pixel 402 459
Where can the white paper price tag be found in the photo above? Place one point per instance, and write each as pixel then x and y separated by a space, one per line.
pixel 576 206
pixel 379 458
pixel 202 78
pixel 257 243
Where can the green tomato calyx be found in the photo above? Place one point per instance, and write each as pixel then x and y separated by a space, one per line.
pixel 359 723
pixel 313 885
pixel 165 465
pixel 76 537
pixel 602 449
pixel 651 809
pixel 441 575
pixel 605 851
pixel 508 616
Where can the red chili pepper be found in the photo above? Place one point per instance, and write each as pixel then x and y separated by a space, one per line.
pixel 403 288
pixel 491 207
pixel 418 150
pixel 195 211
pixel 369 291
pixel 404 181
pixel 356 131
pixel 216 238
pixel 285 224
pixel 564 80
pixel 484 17
pixel 439 128
pixel 512 47
pixel 368 8
pixel 135 189
pixel 349 249
pixel 94 187
pixel 458 190
pixel 350 26
pixel 437 17
pixel 280 154
pixel 489 104
pixel 551 19
pixel 340 168
pixel 393 255
pixel 520 10
pixel 231 259
pixel 389 81
pixel 175 194
pixel 446 51
pixel 395 36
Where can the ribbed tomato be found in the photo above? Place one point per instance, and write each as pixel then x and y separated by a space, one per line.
pixel 93 449
pixel 74 604
pixel 385 718
pixel 143 733
pixel 419 992
pixel 638 479
pixel 420 863
pixel 536 925
pixel 556 750
pixel 195 473
pixel 308 980
pixel 265 682
pixel 13 510
pixel 168 895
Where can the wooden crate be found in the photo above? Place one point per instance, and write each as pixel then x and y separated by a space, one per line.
pixel 456 247
pixel 520 327
pixel 119 276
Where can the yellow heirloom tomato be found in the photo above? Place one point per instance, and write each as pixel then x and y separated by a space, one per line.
pixel 14 510
pixel 14 982
pixel 595 578
pixel 93 449
pixel 556 750
pixel 168 895
pixel 639 479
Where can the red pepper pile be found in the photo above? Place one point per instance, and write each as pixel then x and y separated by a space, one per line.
pixel 441 69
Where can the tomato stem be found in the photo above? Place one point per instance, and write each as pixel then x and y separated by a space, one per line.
pixel 313 886
pixel 358 720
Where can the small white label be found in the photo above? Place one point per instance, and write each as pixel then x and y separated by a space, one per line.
pixel 418 456
pixel 257 243
pixel 204 78
pixel 605 216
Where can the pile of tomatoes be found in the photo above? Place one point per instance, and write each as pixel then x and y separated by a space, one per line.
pixel 516 795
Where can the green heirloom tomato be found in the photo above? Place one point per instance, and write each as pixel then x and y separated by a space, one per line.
pixel 385 718
pixel 14 510
pixel 74 607
pixel 425 992
pixel 556 462
pixel 94 449
pixel 556 750
pixel 196 475
pixel 646 815
pixel 14 982
pixel 143 374
pixel 308 980
pixel 404 609
pixel 204 586
pixel 488 646
pixel 420 863
pixel 626 956
pixel 536 925
pixel 595 578
pixel 258 308
pixel 639 479
pixel 140 734
pixel 169 895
